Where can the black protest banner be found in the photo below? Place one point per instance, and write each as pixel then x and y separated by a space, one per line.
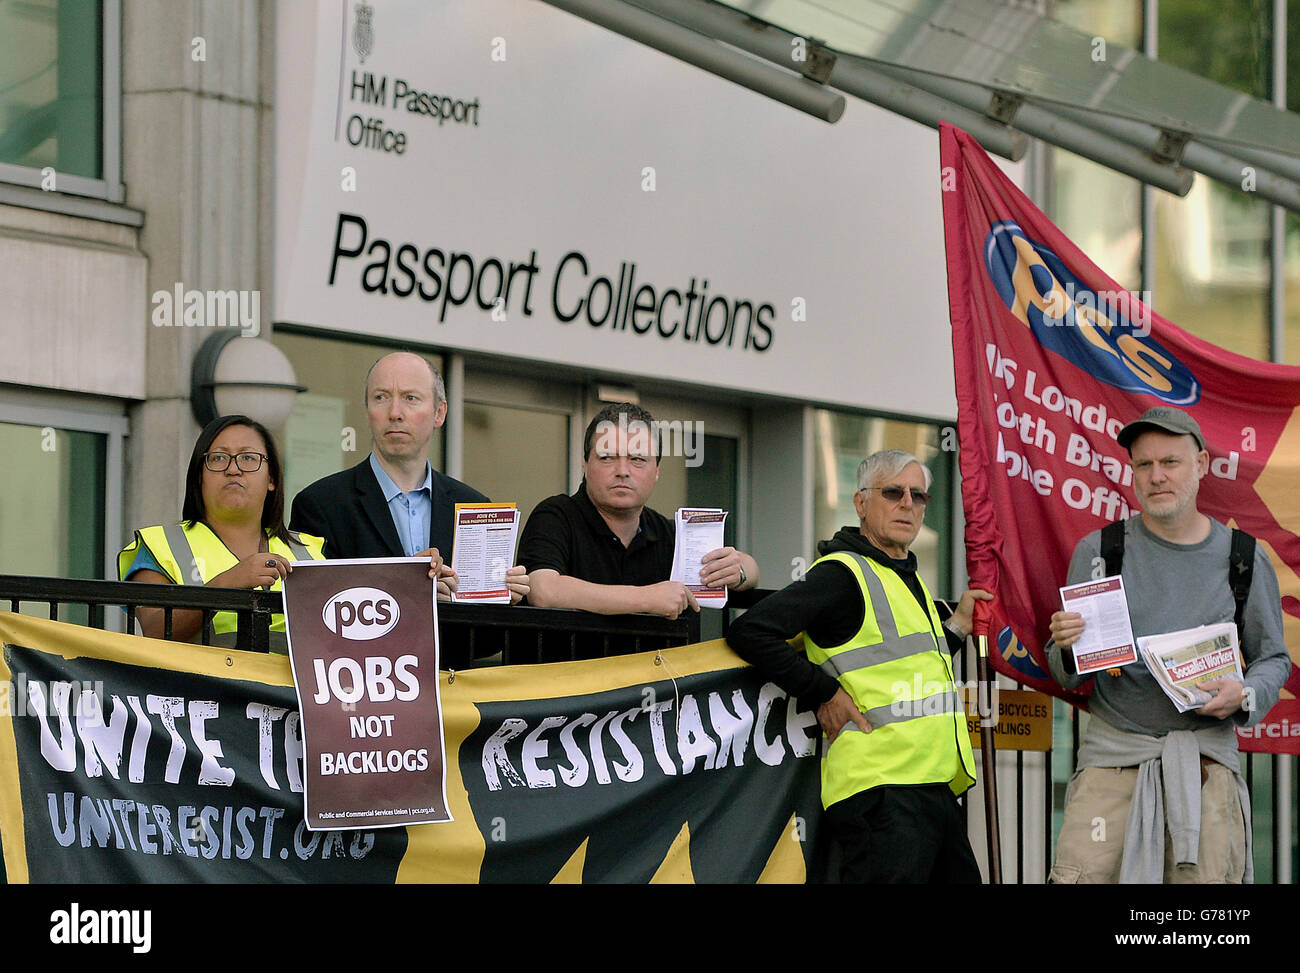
pixel 655 780
pixel 125 759
pixel 135 760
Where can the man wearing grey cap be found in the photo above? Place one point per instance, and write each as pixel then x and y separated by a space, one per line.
pixel 1159 796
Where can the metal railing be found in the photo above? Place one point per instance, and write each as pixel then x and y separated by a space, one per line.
pixel 469 635
pixel 1029 797
pixel 483 635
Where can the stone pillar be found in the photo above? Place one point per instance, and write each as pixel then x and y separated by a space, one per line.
pixel 197 150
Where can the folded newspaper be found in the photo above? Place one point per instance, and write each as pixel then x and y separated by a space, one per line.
pixel 1181 660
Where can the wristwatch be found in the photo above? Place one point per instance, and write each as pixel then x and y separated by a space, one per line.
pixel 954 629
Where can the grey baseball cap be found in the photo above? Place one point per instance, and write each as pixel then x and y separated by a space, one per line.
pixel 1164 418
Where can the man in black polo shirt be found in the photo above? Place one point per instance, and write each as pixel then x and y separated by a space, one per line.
pixel 602 549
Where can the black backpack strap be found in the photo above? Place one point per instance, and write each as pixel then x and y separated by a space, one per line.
pixel 1241 570
pixel 1112 547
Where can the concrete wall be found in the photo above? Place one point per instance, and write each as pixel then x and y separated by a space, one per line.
pixel 72 294
pixel 196 136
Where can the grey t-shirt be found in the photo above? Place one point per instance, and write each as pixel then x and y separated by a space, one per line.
pixel 1171 587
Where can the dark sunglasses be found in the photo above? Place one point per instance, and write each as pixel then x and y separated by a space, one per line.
pixel 894 494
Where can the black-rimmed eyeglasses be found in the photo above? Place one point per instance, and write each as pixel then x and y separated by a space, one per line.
pixel 894 494
pixel 244 462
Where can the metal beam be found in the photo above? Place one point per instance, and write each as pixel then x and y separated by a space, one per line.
pixel 1057 129
pixel 709 55
pixel 1231 169
pixel 924 107
pixel 1280 169
pixel 1165 159
pixel 797 53
pixel 1287 166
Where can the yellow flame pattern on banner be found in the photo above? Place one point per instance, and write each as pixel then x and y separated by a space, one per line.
pixel 1276 486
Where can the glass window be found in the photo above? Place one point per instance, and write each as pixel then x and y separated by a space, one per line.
pixel 1212 266
pixel 1064 718
pixel 1111 235
pixel 1291 285
pixel 842 442
pixel 52 516
pixel 328 430
pixel 671 492
pixel 1228 41
pixel 714 483
pixel 1260 767
pixel 1119 21
pixel 1293 55
pixel 516 455
pixel 1291 261
pixel 51 86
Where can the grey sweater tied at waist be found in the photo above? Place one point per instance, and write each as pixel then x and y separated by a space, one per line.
pixel 1168 791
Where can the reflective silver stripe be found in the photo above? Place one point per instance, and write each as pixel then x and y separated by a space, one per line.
pixel 879 600
pixel 184 555
pixel 298 549
pixel 871 655
pixel 892 647
pixel 913 709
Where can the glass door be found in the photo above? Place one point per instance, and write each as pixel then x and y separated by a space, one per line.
pixel 518 437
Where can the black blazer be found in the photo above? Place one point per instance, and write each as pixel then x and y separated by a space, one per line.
pixel 348 510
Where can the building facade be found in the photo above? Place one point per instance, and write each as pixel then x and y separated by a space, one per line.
pixel 566 218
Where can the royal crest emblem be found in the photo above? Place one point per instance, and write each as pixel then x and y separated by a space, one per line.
pixel 363 31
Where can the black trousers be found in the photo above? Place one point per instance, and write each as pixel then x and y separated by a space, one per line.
pixel 900 835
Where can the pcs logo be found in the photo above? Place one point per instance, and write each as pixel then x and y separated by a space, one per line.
pixel 1094 331
pixel 1017 656
pixel 361 614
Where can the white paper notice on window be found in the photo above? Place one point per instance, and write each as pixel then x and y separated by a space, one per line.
pixel 483 549
pixel 1107 641
pixel 699 531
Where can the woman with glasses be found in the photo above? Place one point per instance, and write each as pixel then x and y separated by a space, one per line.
pixel 231 534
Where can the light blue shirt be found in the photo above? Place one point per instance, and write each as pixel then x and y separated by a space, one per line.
pixel 410 511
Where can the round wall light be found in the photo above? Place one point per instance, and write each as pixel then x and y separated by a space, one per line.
pixel 234 374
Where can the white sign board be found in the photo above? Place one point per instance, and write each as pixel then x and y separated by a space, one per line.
pixel 501 176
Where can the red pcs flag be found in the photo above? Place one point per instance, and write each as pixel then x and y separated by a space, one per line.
pixel 1051 359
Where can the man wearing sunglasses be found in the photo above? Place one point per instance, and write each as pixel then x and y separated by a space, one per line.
pixel 877 669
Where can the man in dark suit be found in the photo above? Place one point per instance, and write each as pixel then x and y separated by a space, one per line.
pixel 394 503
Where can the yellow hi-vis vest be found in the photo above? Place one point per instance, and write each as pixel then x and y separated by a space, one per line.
pixel 196 555
pixel 902 681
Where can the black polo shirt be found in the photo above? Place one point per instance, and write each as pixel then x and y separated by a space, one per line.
pixel 567 534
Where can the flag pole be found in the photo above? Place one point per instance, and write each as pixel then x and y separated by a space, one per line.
pixel 987 751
